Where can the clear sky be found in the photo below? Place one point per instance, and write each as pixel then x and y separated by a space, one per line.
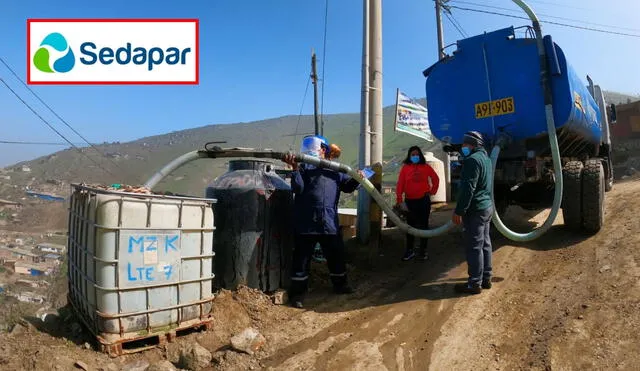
pixel 255 61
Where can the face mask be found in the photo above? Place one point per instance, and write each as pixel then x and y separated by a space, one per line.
pixel 466 151
pixel 415 159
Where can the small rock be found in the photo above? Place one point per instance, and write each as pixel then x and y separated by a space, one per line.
pixel 585 306
pixel 18 329
pixel 139 365
pixel 605 268
pixel 280 297
pixel 580 317
pixel 248 341
pixel 162 366
pixel 82 365
pixel 195 357
pixel 112 367
pixel 87 346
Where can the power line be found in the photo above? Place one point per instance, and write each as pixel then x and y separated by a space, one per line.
pixel 304 98
pixel 548 22
pixel 51 126
pixel 33 143
pixel 559 5
pixel 459 24
pixel 324 54
pixel 456 25
pixel 58 116
pixel 546 15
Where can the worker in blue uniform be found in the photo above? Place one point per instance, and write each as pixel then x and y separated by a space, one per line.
pixel 317 192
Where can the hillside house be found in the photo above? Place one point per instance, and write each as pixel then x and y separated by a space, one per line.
pixel 32 269
pixel 10 205
pixel 5 257
pixel 19 254
pixel 51 258
pixel 51 248
pixel 29 297
pixel 627 124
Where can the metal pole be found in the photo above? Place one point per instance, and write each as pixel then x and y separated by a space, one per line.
pixel 314 79
pixel 441 55
pixel 440 30
pixel 375 98
pixel 362 230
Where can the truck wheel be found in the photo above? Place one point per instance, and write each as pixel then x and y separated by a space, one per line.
pixel 609 185
pixel 593 189
pixel 572 194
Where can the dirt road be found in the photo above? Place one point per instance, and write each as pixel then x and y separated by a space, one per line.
pixel 564 302
pixel 561 302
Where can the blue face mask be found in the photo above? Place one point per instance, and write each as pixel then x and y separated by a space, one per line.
pixel 415 159
pixel 466 151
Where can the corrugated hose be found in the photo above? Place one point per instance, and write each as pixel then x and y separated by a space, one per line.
pixel 246 152
pixel 553 141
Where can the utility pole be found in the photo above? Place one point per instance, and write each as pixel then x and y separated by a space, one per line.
pixel 364 155
pixel 440 31
pixel 314 79
pixel 375 96
pixel 441 55
pixel 375 114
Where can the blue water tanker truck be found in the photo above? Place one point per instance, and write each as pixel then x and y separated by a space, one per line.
pixel 512 90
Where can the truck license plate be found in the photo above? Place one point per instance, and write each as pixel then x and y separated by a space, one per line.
pixel 496 107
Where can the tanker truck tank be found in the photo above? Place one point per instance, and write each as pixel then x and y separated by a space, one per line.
pixel 492 84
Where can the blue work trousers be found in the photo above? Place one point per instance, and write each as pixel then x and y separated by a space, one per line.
pixel 477 241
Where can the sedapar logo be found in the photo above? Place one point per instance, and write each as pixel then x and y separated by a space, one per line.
pixel 139 55
pixel 112 51
pixel 42 57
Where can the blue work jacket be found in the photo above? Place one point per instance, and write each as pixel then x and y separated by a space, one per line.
pixel 317 192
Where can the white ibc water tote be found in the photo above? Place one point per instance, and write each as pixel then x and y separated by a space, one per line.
pixel 139 264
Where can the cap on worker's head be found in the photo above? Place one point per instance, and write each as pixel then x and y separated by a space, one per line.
pixel 473 138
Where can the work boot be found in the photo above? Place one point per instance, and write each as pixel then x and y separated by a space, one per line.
pixel 296 302
pixel 343 290
pixel 423 254
pixel 466 288
pixel 408 255
pixel 486 284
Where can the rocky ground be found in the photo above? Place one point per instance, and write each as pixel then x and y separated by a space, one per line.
pixel 561 302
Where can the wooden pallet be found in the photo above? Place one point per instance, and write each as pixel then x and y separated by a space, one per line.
pixel 149 341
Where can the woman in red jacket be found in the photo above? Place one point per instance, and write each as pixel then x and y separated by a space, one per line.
pixel 417 181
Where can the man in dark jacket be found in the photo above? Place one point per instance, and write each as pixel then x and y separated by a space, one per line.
pixel 317 192
pixel 474 209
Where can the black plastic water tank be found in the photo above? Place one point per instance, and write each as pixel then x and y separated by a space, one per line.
pixel 253 241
